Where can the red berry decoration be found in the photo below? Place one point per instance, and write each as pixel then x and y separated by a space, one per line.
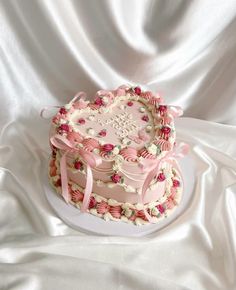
pixel 176 183
pixel 116 178
pixel 107 148
pixel 81 121
pixel 161 208
pixel 78 165
pixel 62 111
pixel 161 177
pixel 162 109
pixel 137 90
pixel 102 133
pixel 92 202
pixel 130 104
pixel 64 127
pixel 145 118
pixel 98 102
pixel 165 132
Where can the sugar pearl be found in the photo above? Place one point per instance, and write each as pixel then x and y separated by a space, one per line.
pixel 142 109
pixel 91 131
pixel 149 128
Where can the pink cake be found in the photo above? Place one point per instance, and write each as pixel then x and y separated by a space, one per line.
pixel 114 156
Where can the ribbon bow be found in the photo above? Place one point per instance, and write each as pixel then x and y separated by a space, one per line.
pixel 90 159
pixel 153 166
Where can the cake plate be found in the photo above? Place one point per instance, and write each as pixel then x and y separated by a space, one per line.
pixel 91 224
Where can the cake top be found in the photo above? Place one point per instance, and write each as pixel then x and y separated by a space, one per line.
pixel 126 122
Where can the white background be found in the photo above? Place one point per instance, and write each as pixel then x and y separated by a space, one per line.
pixel 50 50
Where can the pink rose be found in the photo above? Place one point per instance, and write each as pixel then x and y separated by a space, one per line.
pixel 161 208
pixel 165 130
pixel 137 91
pixel 116 178
pixel 64 127
pixel 62 111
pixel 176 183
pixel 161 177
pixel 98 101
pixel 92 202
pixel 107 147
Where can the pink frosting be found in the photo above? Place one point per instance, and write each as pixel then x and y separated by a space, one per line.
pixel 145 154
pixel 154 101
pixel 146 95
pixel 106 155
pixel 102 207
pixel 81 104
pixel 90 144
pixel 115 211
pixel 93 106
pixel 74 137
pixel 129 154
pixel 76 195
pixel 164 145
pixel 166 120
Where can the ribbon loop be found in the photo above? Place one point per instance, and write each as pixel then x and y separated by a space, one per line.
pixel 180 151
pixel 89 158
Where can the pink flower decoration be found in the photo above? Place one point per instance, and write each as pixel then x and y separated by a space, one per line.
pixel 102 133
pixel 116 178
pixel 62 111
pixel 76 195
pixel 107 148
pixel 98 101
pixel 160 208
pixel 64 127
pixel 115 211
pixel 145 118
pixel 78 165
pixel 130 104
pixel 137 90
pixel 165 130
pixel 81 121
pixel 102 207
pixel 176 183
pixel 162 109
pixel 161 177
pixel 92 202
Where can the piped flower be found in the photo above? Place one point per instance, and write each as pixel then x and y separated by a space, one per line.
pixel 62 111
pixel 137 91
pixel 161 177
pixel 145 118
pixel 102 133
pixel 176 183
pixel 78 165
pixel 116 178
pixel 81 121
pixel 107 148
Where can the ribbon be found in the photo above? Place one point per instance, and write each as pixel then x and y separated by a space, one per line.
pixel 90 159
pixel 175 111
pixel 153 167
pixel 78 96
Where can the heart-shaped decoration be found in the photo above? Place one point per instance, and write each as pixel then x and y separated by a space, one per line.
pixel 127 122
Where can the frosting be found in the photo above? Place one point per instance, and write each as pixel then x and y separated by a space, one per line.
pixel 112 144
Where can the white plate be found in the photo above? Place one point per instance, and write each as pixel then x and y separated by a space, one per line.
pixel 91 224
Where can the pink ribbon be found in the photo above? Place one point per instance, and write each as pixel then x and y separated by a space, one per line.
pixel 78 96
pixel 89 158
pixel 175 111
pixel 153 166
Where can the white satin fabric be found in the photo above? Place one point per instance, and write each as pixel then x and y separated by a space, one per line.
pixel 52 49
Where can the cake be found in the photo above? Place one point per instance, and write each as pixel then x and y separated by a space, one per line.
pixel 115 156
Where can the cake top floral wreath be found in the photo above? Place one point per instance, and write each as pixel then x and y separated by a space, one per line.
pixel 127 123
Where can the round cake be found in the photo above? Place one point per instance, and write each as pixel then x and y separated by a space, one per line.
pixel 115 156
